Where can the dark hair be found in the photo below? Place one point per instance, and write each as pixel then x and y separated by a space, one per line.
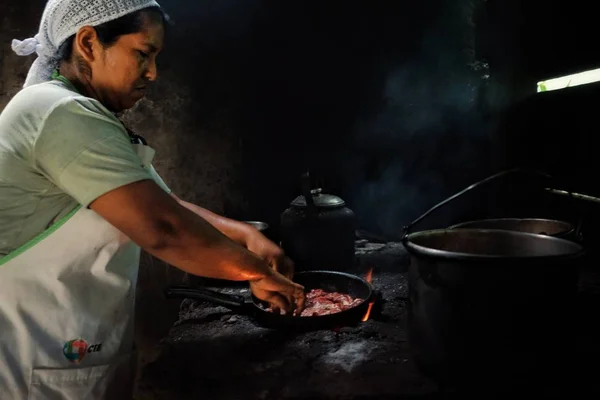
pixel 110 32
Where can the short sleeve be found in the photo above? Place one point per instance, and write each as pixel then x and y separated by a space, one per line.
pixel 159 181
pixel 85 151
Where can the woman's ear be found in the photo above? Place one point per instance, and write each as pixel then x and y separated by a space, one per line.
pixel 86 43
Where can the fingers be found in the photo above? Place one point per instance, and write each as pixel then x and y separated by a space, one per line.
pixel 293 299
pixel 295 302
pixel 281 293
pixel 279 302
pixel 299 300
pixel 274 309
pixel 295 295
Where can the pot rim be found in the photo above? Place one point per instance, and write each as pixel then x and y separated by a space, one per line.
pixel 570 227
pixel 426 252
pixel 259 225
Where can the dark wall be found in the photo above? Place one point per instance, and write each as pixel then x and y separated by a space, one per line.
pixel 379 102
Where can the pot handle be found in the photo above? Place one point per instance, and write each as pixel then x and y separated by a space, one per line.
pixel 307 193
pixel 576 198
pixel 230 301
pixel 471 187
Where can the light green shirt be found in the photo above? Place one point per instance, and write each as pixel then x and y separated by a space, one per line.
pixel 58 149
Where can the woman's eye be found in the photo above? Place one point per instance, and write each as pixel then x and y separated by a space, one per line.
pixel 143 54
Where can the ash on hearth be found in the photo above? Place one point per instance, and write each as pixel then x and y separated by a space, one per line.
pixel 386 256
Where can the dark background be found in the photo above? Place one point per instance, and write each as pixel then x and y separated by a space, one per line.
pixel 392 105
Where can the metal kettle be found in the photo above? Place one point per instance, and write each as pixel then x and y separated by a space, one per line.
pixel 318 231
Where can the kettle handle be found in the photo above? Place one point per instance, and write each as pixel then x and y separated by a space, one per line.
pixel 306 192
pixel 469 188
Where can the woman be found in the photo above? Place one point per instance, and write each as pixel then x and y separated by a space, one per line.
pixel 79 197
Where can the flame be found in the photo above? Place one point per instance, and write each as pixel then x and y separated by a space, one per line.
pixel 368 278
pixel 366 317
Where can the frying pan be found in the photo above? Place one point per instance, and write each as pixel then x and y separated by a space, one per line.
pixel 330 281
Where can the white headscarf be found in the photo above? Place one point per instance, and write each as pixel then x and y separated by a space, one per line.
pixel 61 20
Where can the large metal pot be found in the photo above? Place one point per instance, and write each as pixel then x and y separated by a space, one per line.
pixel 486 305
pixel 318 231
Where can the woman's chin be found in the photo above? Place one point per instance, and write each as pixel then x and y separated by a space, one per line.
pixel 130 103
pixel 137 96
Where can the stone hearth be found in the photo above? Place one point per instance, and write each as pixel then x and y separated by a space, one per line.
pixel 213 353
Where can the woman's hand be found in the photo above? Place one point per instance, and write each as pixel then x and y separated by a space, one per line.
pixel 280 292
pixel 278 289
pixel 258 244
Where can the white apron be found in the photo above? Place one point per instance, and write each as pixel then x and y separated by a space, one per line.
pixel 67 311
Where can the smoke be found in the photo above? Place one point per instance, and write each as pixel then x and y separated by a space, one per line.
pixel 392 201
pixel 429 132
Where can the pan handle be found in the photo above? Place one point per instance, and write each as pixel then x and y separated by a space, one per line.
pixel 230 301
pixel 471 187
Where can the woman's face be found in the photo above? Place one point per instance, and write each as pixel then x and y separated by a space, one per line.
pixel 121 73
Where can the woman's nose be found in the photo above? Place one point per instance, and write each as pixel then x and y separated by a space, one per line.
pixel 151 72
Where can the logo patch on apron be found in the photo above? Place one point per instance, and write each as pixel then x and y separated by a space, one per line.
pixel 76 349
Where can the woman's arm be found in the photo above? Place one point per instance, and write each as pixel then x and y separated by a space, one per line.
pixel 237 231
pixel 247 236
pixel 161 226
